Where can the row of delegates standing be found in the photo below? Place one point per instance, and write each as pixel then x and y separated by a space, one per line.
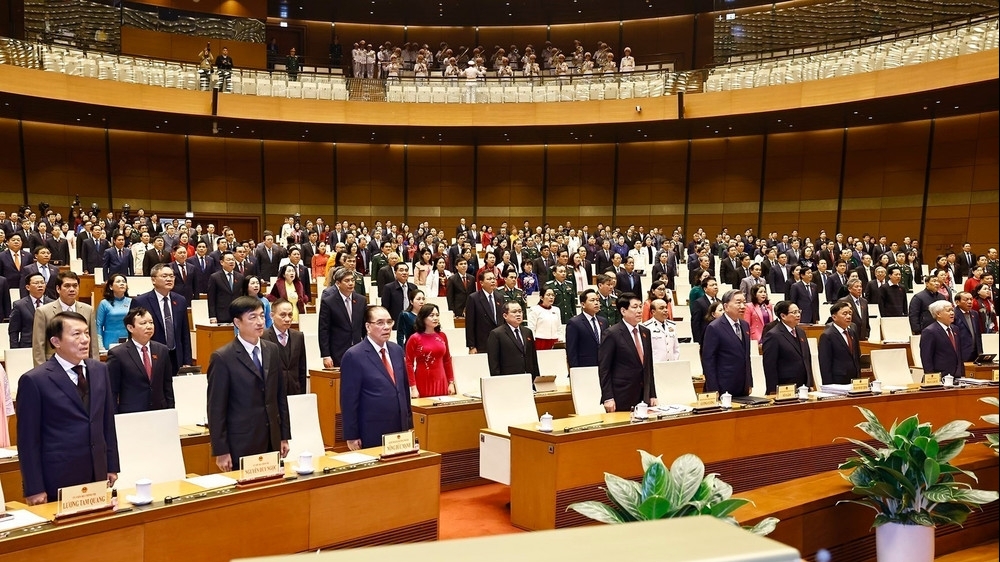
pixel 22 314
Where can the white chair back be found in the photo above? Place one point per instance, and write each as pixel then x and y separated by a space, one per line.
pixel 754 348
pixel 309 323
pixel 19 361
pixel 890 367
pixel 313 358
pixel 691 352
pixel 508 400
pixel 552 362
pixel 817 381
pixel 895 329
pixel 138 285
pixel 191 399
pixel 199 312
pixel 991 343
pixel 673 383
pixel 585 385
pixel 468 370
pixel 149 446
pixel 874 330
pixel 915 351
pixel 4 342
pixel 759 383
pixel 303 418
pixel 683 330
pixel 456 341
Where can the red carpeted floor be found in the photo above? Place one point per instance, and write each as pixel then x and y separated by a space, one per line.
pixel 476 512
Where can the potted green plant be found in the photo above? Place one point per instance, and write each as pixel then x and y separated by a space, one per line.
pixel 911 484
pixel 992 439
pixel 681 491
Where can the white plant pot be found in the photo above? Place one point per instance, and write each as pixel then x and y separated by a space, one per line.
pixel 904 543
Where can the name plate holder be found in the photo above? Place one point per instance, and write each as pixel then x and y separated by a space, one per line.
pixel 931 381
pixel 707 402
pixel 399 445
pixel 85 501
pixel 786 394
pixel 256 470
pixel 859 387
pixel 996 377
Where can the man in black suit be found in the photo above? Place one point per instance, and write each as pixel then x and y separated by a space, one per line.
pixel 940 342
pixel 169 312
pixel 244 264
pixel 700 306
pixel 873 289
pixel 866 271
pixel 729 268
pixel 839 350
pixel 93 249
pixel 603 257
pixel 247 404
pixel 291 346
pixel 836 284
pixel 584 331
pixel 966 260
pixel 223 287
pixel 60 248
pixel 157 254
pixel 859 308
pixel 725 349
pixel 629 280
pixel 341 318
pixel 14 260
pixel 625 359
pixel 966 325
pixel 458 288
pixel 892 295
pixel 787 359
pixel 387 273
pixel 920 315
pixel 779 278
pixel 203 266
pixel 185 274
pixel 38 237
pixel 118 259
pixel 510 347
pixel 805 295
pixel 43 267
pixel 267 256
pixel 22 314
pixel 482 313
pixel 139 369
pixel 396 295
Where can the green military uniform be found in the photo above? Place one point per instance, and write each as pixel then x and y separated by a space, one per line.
pixel 505 295
pixel 529 253
pixel 609 309
pixel 565 299
pixel 378 262
pixel 359 284
pixel 906 279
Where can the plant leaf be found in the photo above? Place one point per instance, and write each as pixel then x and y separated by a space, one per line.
pixel 764 527
pixel 874 428
pixel 624 493
pixel 655 507
pixel 991 400
pixel 687 472
pixel 654 481
pixel 931 471
pixel 596 511
pixel 648 459
pixel 726 507
pixel 939 494
pixel 976 497
pixel 993 419
pixel 957 429
pixel 906 428
pixel 949 451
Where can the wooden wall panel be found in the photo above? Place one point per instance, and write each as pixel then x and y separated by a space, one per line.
pixel 370 182
pixel 148 171
pixel 62 161
pixel 651 182
pixel 659 39
pixel 11 192
pixel 580 183
pixel 725 183
pixel 240 8
pixel 509 184
pixel 589 34
pixel 174 46
pixel 802 182
pixel 434 35
pixel 440 183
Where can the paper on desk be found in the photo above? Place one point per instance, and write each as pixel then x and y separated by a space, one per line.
pixel 447 398
pixel 836 388
pixel 211 481
pixel 8 453
pixel 671 409
pixel 964 380
pixel 819 395
pixel 20 518
pixel 353 458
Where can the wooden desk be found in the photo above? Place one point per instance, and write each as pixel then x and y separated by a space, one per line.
pixel 453 431
pixel 813 330
pixel 551 470
pixel 196 449
pixel 325 384
pixel 980 371
pixel 211 337
pixel 811 519
pixel 388 503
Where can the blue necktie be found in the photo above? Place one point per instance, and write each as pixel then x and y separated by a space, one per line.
pixel 256 361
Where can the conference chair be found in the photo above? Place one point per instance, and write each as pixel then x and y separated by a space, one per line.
pixel 309 323
pixel 991 343
pixel 691 352
pixel 469 369
pixel 682 328
pixel 673 383
pixel 313 358
pixel 890 367
pixel 915 352
pixel 149 446
pixel 507 400
pixel 817 381
pixel 138 285
pixel 199 312
pixel 19 361
pixel 552 363
pixel 303 418
pixel 874 330
pixel 759 383
pixel 895 329
pixel 4 340
pixel 456 341
pixel 191 399
pixel 585 386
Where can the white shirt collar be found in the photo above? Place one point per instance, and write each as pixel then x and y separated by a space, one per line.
pixel 250 347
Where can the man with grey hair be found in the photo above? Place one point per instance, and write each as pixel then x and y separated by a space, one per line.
pixel 967 327
pixel 940 344
pixel 725 349
pixel 341 318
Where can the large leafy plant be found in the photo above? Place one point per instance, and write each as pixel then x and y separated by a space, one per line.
pixel 992 438
pixel 681 491
pixel 909 479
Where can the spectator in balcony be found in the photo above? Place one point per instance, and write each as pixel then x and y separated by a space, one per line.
pixel 224 63
pixel 205 67
pixel 370 62
pixel 336 53
pixel 627 62
pixel 420 69
pixel 609 67
pixel 292 65
pixel 562 68
pixel 586 67
pixel 532 71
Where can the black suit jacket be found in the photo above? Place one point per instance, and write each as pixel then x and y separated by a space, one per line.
pixel 506 357
pixel 247 411
pixel 892 300
pixel 202 276
pixel 624 286
pixel 220 295
pixel 22 319
pixel 937 353
pixel 787 359
pixel 970 340
pixel 11 272
pixel 478 320
pixel 185 286
pixel 115 264
pixel 581 345
pixel 623 377
pixel 458 290
pixel 392 297
pixel 966 264
pixel 268 267
pixel 808 301
pixel 132 389
pixel 93 254
pixel 862 324
pixel 59 249
pixel 776 282
pixel 293 359
pixel 603 262
pixel 153 257
pixel 725 359
pixel 31 269
pixel 151 301
pixel 337 332
pixel 838 363
pixel 699 308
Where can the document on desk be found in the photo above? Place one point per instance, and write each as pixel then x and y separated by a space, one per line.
pixel 20 518
pixel 211 481
pixel 8 453
pixel 354 458
pixel 836 388
pixel 671 409
pixel 445 399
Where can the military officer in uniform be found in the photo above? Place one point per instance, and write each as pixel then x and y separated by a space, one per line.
pixel 663 333
pixel 565 294
pixel 606 291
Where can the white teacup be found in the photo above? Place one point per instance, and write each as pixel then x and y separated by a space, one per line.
pixel 545 422
pixel 641 410
pixel 726 400
pixel 305 462
pixel 803 392
pixel 876 387
pixel 144 490
pixel 948 380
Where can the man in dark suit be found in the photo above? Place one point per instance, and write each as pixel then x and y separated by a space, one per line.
pixel 291 346
pixel 967 326
pixel 268 255
pixel 966 260
pixel 387 273
pixel 866 271
pixel 341 318
pixel 584 331
pixel 92 250
pixel 786 355
pixel 203 266
pixel 873 289
pixel 629 280
pixel 940 343
pixel 836 284
pixel 805 295
pixel 223 287
pixel 510 347
pixel 244 264
pixel 625 359
pixel 22 314
pixel 603 257
pixel 396 295
pixel 65 416
pixel 156 254
pixel 140 368
pixel 725 349
pixel 839 350
pixel 482 313
pixel 38 237
pixel 892 295
pixel 694 275
pixel 14 260
pixel 729 268
pixel 920 315
pixel 118 259
pixel 247 405
pixel 185 274
pixel 779 278
pixel 43 267
pixel 59 246
pixel 169 311
pixel 458 288
pixel 859 309
pixel 700 306
pixel 374 388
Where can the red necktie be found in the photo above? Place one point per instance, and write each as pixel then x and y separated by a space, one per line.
pixel 146 362
pixel 638 345
pixel 388 366
pixel 951 336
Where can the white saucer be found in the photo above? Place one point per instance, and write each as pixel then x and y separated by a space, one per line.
pixel 304 472
pixel 136 501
